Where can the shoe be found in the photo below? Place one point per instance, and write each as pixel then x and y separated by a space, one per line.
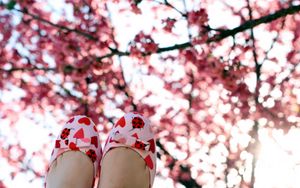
pixel 134 131
pixel 79 134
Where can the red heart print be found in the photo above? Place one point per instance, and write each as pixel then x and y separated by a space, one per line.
pixel 135 136
pixel 121 122
pixel 149 162
pixel 79 134
pixel 84 120
pixel 73 146
pixel 92 154
pixel 152 145
pixel 71 120
pixel 94 141
pixel 57 144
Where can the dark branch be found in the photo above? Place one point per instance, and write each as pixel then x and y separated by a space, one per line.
pixel 166 3
pixel 253 23
pixel 255 140
pixel 223 34
pixel 257 65
pixel 287 78
pixel 275 39
pixel 122 85
pixel 13 69
pixel 61 27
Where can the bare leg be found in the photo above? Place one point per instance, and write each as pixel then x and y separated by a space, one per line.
pixel 72 169
pixel 123 168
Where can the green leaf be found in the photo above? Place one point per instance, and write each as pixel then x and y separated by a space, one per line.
pixel 11 5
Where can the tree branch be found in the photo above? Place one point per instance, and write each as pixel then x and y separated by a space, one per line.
pixel 13 69
pixel 122 85
pixel 255 142
pixel 166 3
pixel 275 39
pixel 287 78
pixel 61 27
pixel 222 35
pixel 253 23
pixel 257 65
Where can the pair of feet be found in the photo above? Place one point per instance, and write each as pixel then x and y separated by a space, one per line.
pixel 127 160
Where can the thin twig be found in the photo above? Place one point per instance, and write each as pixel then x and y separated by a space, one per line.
pixel 255 128
pixel 13 69
pixel 257 65
pixel 171 6
pixel 61 27
pixel 292 70
pixel 124 87
pixel 275 39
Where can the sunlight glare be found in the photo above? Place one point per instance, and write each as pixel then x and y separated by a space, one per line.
pixel 278 161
